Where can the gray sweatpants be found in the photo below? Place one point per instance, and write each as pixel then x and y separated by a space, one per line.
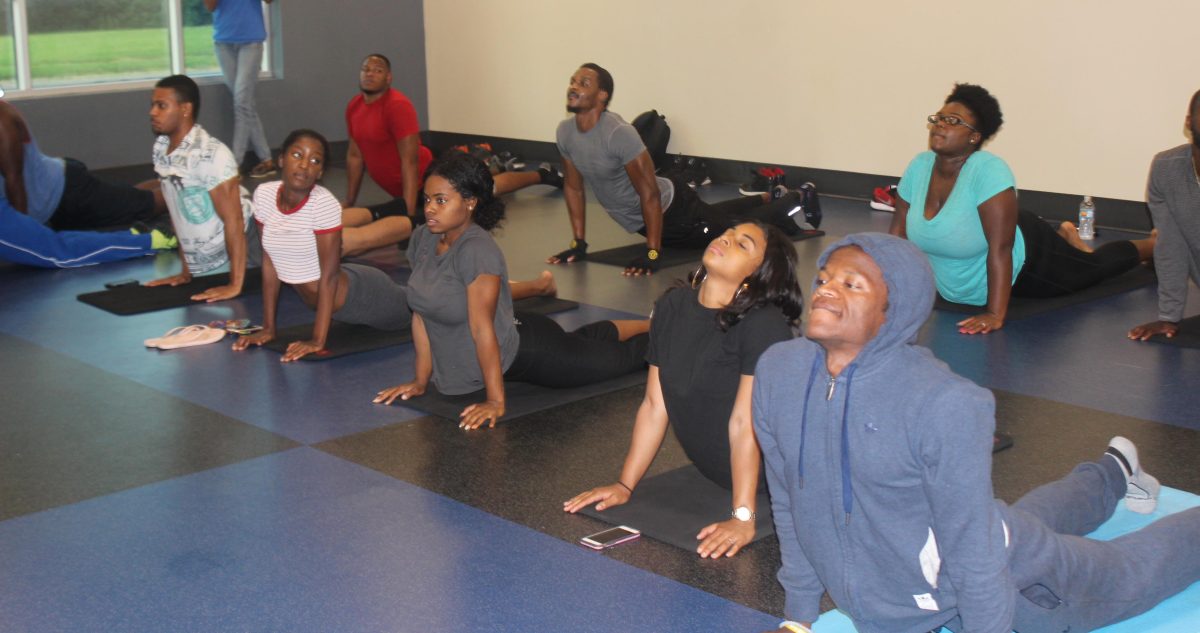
pixel 1071 583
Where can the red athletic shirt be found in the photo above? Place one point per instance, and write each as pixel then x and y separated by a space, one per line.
pixel 376 127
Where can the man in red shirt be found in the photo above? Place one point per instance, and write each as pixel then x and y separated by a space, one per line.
pixel 383 130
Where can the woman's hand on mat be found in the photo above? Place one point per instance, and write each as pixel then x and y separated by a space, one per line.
pixel 299 349
pixel 475 415
pixel 980 324
pixel 1146 330
pixel 259 338
pixel 218 293
pixel 725 538
pixel 404 392
pixel 173 280
pixel 604 497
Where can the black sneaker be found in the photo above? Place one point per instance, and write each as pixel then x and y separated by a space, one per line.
pixel 812 204
pixel 510 161
pixel 696 173
pixel 761 181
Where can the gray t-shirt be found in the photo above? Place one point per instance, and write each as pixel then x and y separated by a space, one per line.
pixel 1173 195
pixel 601 154
pixel 437 291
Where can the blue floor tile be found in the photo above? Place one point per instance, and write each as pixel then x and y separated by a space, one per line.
pixel 303 541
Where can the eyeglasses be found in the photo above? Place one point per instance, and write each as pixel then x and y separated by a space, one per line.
pixel 949 119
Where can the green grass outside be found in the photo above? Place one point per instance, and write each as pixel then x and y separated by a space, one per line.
pixel 88 56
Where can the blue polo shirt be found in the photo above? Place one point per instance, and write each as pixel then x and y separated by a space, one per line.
pixel 238 22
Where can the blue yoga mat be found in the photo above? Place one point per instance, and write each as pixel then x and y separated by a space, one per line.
pixel 1178 614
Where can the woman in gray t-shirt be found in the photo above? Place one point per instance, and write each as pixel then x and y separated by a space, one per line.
pixel 466 335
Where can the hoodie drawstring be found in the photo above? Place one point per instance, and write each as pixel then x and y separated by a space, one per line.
pixel 812 377
pixel 847 486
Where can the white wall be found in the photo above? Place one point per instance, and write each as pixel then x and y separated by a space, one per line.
pixel 1091 89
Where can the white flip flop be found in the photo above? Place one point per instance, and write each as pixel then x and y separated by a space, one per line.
pixel 170 335
pixel 201 335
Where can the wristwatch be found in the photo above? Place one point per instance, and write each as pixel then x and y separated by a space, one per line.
pixel 742 513
pixel 652 254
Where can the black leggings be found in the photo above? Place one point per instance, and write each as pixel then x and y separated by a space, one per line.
pixel 1053 267
pixel 692 223
pixel 552 357
pixel 90 203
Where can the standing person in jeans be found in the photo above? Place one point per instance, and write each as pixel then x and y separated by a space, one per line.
pixel 238 36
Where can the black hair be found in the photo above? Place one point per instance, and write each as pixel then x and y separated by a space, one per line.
pixel 296 135
pixel 471 178
pixel 1194 103
pixel 386 62
pixel 982 104
pixel 606 80
pixel 185 89
pixel 773 282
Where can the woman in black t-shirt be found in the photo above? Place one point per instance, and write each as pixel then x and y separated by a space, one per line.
pixel 704 344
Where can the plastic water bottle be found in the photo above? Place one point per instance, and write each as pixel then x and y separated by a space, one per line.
pixel 1087 219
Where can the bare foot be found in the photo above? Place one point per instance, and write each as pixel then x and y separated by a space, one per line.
pixel 1071 234
pixel 546 285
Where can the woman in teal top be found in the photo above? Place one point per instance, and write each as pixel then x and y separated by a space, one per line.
pixel 959 205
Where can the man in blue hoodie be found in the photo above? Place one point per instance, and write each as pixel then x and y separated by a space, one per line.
pixel 878 459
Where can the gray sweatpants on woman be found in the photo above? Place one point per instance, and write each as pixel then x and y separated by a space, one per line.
pixel 373 299
pixel 1071 583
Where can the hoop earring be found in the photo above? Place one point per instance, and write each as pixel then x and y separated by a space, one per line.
pixel 696 275
pixel 739 292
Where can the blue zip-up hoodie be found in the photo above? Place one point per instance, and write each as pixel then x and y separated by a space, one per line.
pixel 880 479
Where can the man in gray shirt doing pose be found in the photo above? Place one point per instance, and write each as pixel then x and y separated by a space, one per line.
pixel 1173 195
pixel 600 147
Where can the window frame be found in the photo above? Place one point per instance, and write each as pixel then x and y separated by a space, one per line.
pixel 18 17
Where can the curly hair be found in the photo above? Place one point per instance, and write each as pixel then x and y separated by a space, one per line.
pixel 982 104
pixel 471 178
pixel 773 282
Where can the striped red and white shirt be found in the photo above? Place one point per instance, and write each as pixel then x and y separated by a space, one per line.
pixel 290 236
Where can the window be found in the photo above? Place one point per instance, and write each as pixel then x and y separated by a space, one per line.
pixel 57 44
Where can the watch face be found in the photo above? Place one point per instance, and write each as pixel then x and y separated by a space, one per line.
pixel 652 254
pixel 742 513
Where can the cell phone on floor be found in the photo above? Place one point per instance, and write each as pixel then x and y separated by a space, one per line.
pixel 121 283
pixel 610 537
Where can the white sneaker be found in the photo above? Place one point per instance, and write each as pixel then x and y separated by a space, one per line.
pixel 1141 494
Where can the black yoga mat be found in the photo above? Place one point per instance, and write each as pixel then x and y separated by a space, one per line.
pixel 343 339
pixel 347 338
pixel 673 507
pixel 521 398
pixel 1188 335
pixel 127 300
pixel 1022 307
pixel 622 255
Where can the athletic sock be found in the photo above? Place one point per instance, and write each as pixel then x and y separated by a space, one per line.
pixel 1141 488
pixel 550 176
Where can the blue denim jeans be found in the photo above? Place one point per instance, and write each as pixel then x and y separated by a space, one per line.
pixel 1071 583
pixel 240 64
